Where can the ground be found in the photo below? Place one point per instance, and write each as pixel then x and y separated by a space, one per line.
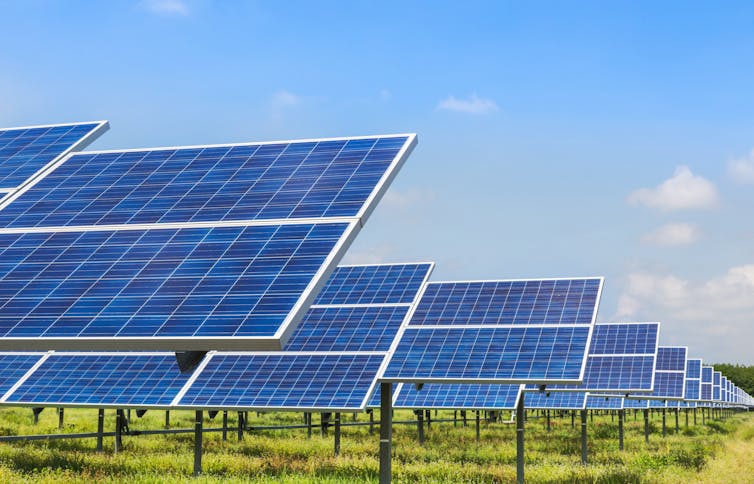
pixel 718 451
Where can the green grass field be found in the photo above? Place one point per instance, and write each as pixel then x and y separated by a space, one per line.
pixel 720 451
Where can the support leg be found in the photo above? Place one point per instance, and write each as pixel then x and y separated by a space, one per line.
pixel 337 433
pixel 547 416
pixel 386 432
pixel 520 440
pixel 420 425
pixel 198 418
pixel 620 429
pixel 646 426
pixel 100 428
pixel 167 419
pixel 225 425
pixel 118 430
pixel 677 429
pixel 477 426
pixel 61 412
pixel 371 422
pixel 664 429
pixel 583 437
pixel 241 425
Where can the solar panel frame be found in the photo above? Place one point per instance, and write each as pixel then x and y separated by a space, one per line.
pixel 274 341
pixel 693 391
pixel 706 385
pixel 100 127
pixel 408 326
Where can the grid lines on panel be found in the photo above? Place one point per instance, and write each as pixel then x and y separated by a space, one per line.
pixel 25 151
pixel 595 402
pixel 494 353
pixel 223 281
pixel 693 379
pixel 104 379
pixel 555 400
pixel 283 381
pixel 458 396
pixel 565 301
pixel 373 284
pixel 332 178
pixel 13 366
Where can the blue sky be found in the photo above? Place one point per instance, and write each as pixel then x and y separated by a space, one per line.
pixel 556 140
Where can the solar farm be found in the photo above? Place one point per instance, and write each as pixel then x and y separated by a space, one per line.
pixel 205 283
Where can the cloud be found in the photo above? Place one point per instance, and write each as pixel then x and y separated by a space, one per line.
pixel 672 235
pixel 166 7
pixel 742 169
pixel 282 100
pixel 378 254
pixel 713 316
pixel 402 200
pixel 683 190
pixel 473 105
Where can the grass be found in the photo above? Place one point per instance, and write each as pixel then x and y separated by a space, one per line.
pixel 719 451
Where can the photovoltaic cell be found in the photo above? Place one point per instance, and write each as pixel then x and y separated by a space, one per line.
pixel 455 396
pixel 635 404
pixel 693 379
pixel 555 400
pixel 565 301
pixel 716 393
pixel 706 387
pixel 283 381
pixel 489 354
pixel 26 151
pixel 374 284
pixel 624 338
pixel 225 281
pixel 670 373
pixel 671 358
pixel 351 328
pixel 295 180
pixel 99 379
pixel 13 366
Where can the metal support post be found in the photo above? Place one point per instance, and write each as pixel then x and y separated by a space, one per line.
pixel 198 442
pixel 371 422
pixel 463 415
pixel 241 425
pixel 547 416
pixel 428 417
pixel 520 440
pixel 337 433
pixel 225 425
pixel 100 428
pixel 620 429
pixel 60 418
pixel 167 419
pixel 677 429
pixel 646 426
pixel 477 426
pixel 420 425
pixel 118 430
pixel 583 437
pixel 386 432
pixel 573 418
pixel 664 430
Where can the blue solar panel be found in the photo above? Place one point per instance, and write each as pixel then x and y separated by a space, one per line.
pixel 374 284
pixel 13 366
pixel 302 179
pixel 668 385
pixel 489 354
pixel 671 358
pixel 359 328
pixel 716 393
pixel 455 396
pixel 284 381
pixel 635 404
pixel 26 151
pixel 624 338
pixel 693 379
pixel 101 379
pixel 707 378
pixel 621 358
pixel 723 389
pixel 565 301
pixel 226 281
pixel 555 400
pixel 594 402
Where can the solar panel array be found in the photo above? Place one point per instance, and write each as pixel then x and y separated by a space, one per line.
pixel 497 332
pixel 621 358
pixel 716 379
pixel 706 386
pixel 25 152
pixel 670 373
pixel 693 379
pixel 191 248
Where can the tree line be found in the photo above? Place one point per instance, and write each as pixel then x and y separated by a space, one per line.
pixel 741 375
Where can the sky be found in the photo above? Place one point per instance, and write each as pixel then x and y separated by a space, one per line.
pixel 556 139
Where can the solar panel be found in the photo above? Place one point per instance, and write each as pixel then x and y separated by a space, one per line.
pixel 555 400
pixel 635 404
pixel 693 379
pixel 670 373
pixel 101 380
pixel 458 396
pixel 621 358
pixel 481 332
pixel 286 381
pixel 706 387
pixel 13 366
pixel 594 402
pixel 373 284
pixel 232 243
pixel 723 389
pixel 27 151
pixel 252 181
pixel 716 393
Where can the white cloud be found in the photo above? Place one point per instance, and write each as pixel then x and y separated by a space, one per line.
pixel 402 200
pixel 166 7
pixel 742 169
pixel 713 316
pixel 683 190
pixel 472 105
pixel 672 235
pixel 283 98
pixel 378 254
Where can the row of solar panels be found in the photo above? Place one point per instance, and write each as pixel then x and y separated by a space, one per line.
pixel 226 247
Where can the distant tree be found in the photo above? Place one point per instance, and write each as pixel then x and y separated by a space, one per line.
pixel 741 375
